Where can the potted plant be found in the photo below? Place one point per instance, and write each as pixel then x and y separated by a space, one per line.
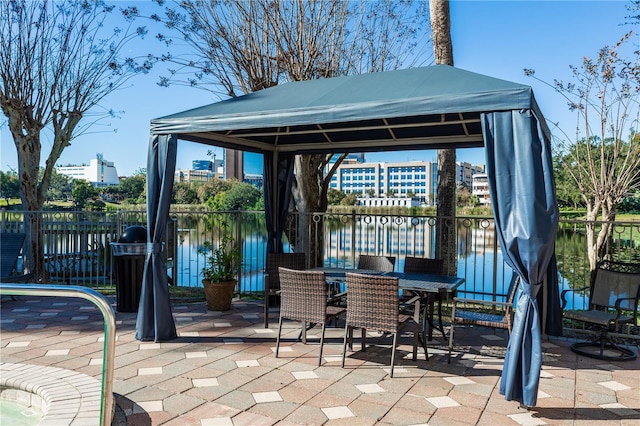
pixel 220 272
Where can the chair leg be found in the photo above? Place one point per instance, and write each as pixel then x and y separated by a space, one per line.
pixel 393 352
pixel 321 345
pixel 363 339
pixel 416 331
pixel 453 326
pixel 344 346
pixel 350 338
pixel 266 301
pixel 304 332
pixel 278 338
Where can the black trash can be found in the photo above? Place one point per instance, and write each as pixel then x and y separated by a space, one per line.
pixel 128 256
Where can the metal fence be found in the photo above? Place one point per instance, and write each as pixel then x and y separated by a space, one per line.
pixel 77 247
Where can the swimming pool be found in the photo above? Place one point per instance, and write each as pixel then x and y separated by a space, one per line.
pixel 16 414
pixel 56 393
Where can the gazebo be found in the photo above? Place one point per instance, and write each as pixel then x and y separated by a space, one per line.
pixel 419 108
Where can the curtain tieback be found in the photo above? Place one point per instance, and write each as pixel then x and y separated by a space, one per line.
pixel 155 248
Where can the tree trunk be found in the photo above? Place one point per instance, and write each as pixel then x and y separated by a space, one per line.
pixel 446 193
pixel 309 196
pixel 32 200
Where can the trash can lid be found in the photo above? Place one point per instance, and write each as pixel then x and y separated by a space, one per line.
pixel 134 234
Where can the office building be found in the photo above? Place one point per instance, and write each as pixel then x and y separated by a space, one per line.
pixel 100 173
pixel 481 188
pixel 412 179
pixel 465 172
pixel 402 179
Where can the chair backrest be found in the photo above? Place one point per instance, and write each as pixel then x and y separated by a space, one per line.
pixel 10 246
pixel 421 265
pixel 616 280
pixel 513 288
pixel 372 302
pixel 303 295
pixel 287 260
pixel 377 263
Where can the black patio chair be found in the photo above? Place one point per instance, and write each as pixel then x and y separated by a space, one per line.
pixel 613 302
pixel 10 248
pixel 485 313
pixel 377 263
pixel 423 265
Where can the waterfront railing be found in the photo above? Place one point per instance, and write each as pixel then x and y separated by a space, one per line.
pixel 77 245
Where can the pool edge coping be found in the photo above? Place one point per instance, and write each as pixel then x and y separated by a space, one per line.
pixel 65 394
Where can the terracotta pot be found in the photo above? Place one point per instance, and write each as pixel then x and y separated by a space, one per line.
pixel 219 295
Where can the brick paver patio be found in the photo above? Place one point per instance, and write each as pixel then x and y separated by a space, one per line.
pixel 222 371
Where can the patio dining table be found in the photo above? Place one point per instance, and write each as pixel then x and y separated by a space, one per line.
pixel 426 286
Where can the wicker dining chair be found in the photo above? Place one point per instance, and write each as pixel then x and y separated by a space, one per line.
pixel 377 263
pixel 303 297
pixel 502 319
pixel 272 276
pixel 373 304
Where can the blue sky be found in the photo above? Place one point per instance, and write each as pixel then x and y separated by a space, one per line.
pixel 496 38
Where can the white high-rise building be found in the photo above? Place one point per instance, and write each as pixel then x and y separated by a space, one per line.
pixel 99 172
pixel 465 173
pixel 481 188
pixel 383 179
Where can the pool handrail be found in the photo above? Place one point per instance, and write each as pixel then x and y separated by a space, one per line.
pixel 106 400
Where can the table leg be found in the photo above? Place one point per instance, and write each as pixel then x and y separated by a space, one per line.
pixel 416 318
pixel 428 314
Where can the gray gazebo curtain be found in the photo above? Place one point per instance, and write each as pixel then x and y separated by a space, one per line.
pixel 521 185
pixel 276 199
pixel 155 320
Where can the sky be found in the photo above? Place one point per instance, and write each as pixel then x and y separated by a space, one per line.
pixel 496 38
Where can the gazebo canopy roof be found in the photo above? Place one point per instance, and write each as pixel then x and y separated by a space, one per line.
pixel 419 108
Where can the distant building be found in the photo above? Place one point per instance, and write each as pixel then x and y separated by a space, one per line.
pixel 187 176
pixel 480 188
pixel 254 179
pixel 100 173
pixel 417 179
pixel 201 171
pixel 381 179
pixel 465 173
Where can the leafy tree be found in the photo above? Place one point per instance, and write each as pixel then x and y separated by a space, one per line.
pixel 83 192
pixel 209 189
pixel 567 192
pixel 184 193
pixel 9 185
pixel 132 188
pixel 58 60
pixel 446 198
pixel 349 200
pixel 604 158
pixel 241 196
pixel 463 197
pixel 61 186
pixel 631 204
pixel 241 47
pixel 334 196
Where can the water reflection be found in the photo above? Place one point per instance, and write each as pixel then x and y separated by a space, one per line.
pixel 480 260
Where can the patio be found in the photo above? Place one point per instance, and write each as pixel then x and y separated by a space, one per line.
pixel 222 370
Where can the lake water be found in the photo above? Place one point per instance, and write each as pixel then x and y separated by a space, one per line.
pixel 480 260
